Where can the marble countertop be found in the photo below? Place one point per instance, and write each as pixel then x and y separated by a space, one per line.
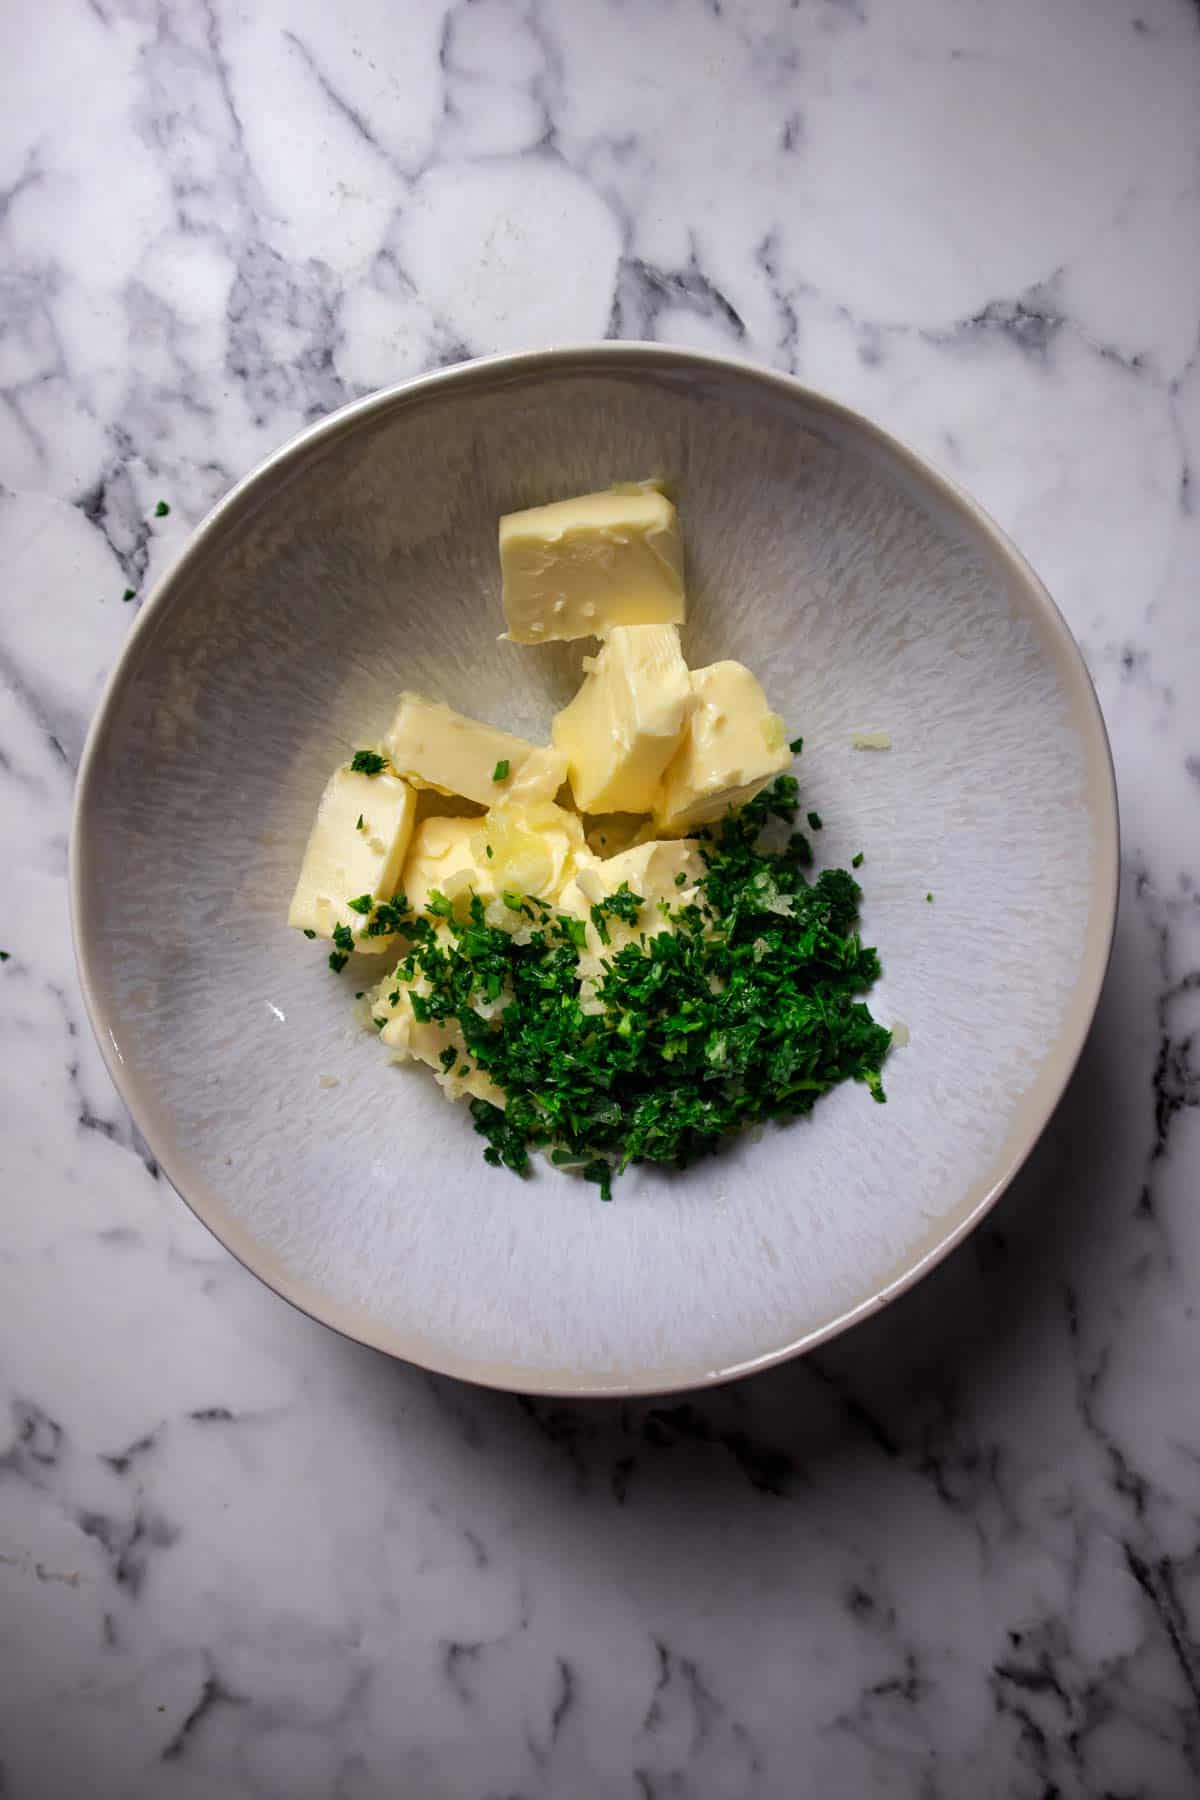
pixel 955 1553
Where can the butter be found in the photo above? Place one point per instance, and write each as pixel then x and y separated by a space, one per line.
pixel 539 777
pixel 627 721
pixel 412 1040
pixel 733 745
pixel 536 848
pixel 434 747
pixel 579 567
pixel 344 860
pixel 651 870
pixel 440 852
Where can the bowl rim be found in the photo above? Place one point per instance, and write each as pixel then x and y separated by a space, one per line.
pixel 631 356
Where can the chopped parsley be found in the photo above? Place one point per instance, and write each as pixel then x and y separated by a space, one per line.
pixel 308 933
pixel 129 594
pixel 363 904
pixel 343 944
pixel 367 762
pixel 161 510
pixel 681 878
pixel 748 1010
pixel 389 916
pixel 360 826
pixel 814 821
pixel 796 746
pixel 500 772
pixel 4 955
pixel 856 861
pixel 929 897
pixel 488 847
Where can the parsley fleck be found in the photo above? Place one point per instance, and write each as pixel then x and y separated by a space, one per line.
pixel 129 594
pixel 856 861
pixel 308 933
pixel 338 960
pixel 796 746
pixel 389 916
pixel 748 1010
pixel 161 510
pixel 489 851
pixel 500 772
pixel 929 897
pixel 366 762
pixel 681 879
pixel 363 904
pixel 4 955
pixel 360 993
pixel 814 821
pixel 342 938
pixel 360 826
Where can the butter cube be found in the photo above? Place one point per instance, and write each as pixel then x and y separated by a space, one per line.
pixel 434 747
pixel 439 854
pixel 345 860
pixel 540 777
pixel 535 848
pixel 579 567
pixel 733 745
pixel 651 870
pixel 411 1040
pixel 627 721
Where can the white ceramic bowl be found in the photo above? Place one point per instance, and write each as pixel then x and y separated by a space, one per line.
pixel 865 591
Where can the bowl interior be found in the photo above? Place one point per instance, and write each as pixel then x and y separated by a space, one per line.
pixel 864 592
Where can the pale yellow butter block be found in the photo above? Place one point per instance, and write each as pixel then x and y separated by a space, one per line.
pixel 733 745
pixel 344 860
pixel 579 567
pixel 439 854
pixel 540 777
pixel 627 721
pixel 432 746
pixel 651 870
pixel 412 1040
pixel 535 848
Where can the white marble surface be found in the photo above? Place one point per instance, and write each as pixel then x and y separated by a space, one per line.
pixel 957 1552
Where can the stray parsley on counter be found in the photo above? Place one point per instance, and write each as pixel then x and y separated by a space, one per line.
pixel 748 1009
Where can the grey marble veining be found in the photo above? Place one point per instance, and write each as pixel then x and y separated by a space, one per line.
pixel 958 1552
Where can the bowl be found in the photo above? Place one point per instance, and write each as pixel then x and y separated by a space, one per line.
pixel 867 592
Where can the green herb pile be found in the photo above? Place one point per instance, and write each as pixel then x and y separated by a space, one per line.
pixel 748 1010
